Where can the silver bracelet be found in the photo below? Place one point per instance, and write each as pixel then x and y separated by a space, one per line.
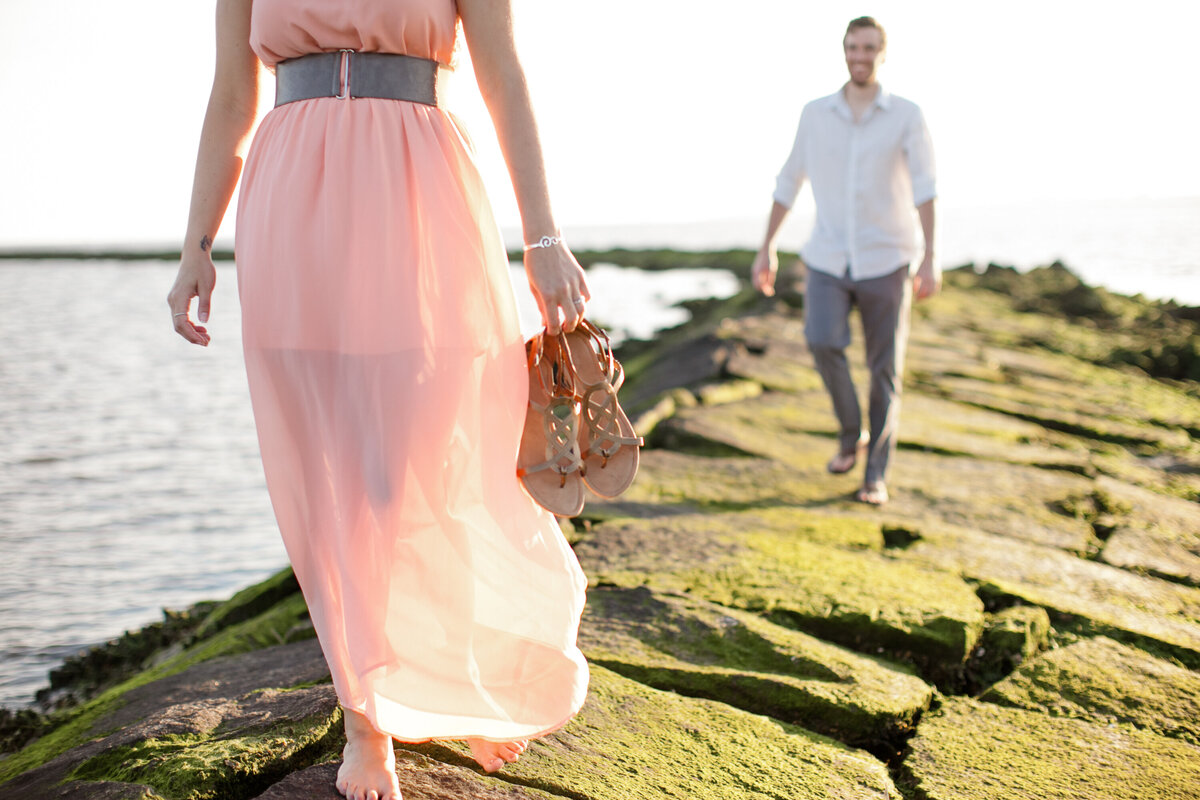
pixel 545 241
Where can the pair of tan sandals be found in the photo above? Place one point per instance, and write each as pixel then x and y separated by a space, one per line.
pixel 576 433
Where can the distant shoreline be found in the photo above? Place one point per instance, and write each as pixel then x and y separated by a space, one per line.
pixel 70 254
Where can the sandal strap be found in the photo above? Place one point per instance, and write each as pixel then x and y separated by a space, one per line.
pixel 601 421
pixel 545 353
pixel 560 421
pixel 609 365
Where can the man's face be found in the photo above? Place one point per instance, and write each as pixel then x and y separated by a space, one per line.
pixel 864 54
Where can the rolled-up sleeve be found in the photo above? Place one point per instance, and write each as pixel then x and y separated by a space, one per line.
pixel 918 150
pixel 791 178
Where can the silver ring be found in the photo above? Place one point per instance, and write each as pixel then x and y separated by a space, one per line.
pixel 578 300
pixel 179 314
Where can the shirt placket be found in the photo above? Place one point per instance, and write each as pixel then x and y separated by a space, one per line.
pixel 852 200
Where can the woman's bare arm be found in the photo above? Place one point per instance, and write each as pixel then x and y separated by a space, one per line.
pixel 227 124
pixel 555 276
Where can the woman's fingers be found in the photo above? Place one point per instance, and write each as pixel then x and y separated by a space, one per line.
pixel 196 334
pixel 196 279
pixel 559 287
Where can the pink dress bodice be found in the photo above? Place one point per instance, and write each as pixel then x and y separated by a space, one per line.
pixel 282 29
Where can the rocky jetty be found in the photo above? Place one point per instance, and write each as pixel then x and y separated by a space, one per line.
pixel 1021 621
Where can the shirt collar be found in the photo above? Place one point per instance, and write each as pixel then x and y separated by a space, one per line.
pixel 883 100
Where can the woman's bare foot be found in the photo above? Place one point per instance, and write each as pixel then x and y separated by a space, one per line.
pixel 493 755
pixel 874 493
pixel 368 770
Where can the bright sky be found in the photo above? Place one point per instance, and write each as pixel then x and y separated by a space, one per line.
pixel 651 111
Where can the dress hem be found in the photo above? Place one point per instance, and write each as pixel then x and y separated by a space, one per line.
pixel 463 737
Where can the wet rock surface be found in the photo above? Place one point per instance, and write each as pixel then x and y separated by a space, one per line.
pixel 1021 621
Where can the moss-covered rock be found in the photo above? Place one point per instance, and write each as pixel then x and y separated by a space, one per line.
pixel 1010 637
pixel 685 540
pixel 1105 681
pixel 420 778
pixel 1085 595
pixel 100 790
pixel 637 743
pixel 250 746
pixel 859 598
pixel 670 482
pixel 683 644
pixel 728 391
pixel 249 602
pixel 780 367
pixel 227 727
pixel 1079 401
pixel 1153 551
pixel 121 704
pixel 1013 499
pixel 970 750
pixel 1160 535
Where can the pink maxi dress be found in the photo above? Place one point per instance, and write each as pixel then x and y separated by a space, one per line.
pixel 388 381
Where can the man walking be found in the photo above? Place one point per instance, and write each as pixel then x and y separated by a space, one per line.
pixel 868 156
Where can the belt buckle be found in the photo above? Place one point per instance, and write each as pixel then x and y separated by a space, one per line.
pixel 344 74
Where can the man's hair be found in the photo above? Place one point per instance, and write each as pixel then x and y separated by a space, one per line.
pixel 867 22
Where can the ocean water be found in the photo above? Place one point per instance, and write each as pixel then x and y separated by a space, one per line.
pixel 129 474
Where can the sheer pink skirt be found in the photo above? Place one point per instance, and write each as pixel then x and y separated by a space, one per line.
pixel 387 377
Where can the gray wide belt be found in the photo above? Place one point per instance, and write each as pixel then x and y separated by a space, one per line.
pixel 390 76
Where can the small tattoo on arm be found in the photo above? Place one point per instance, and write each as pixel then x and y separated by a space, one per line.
pixel 205 243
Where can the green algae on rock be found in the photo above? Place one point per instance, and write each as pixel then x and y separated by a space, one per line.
pixel 858 598
pixel 997 496
pixel 1091 597
pixel 1160 535
pixel 235 758
pixel 968 750
pixel 637 743
pixel 420 777
pixel 1010 637
pixel 1105 681
pixel 170 732
pixel 286 621
pixel 683 644
pixel 670 482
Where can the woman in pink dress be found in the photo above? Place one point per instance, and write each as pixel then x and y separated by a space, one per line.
pixel 386 367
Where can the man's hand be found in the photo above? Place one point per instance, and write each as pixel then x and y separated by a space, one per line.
pixel 762 274
pixel 928 279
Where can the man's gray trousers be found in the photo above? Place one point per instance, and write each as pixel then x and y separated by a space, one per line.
pixel 884 306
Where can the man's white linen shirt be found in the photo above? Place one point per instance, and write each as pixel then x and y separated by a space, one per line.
pixel 867 178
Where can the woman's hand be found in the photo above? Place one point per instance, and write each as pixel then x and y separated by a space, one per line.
pixel 558 285
pixel 197 277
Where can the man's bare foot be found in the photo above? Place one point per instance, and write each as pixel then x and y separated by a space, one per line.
pixel 368 770
pixel 494 755
pixel 874 493
pixel 843 462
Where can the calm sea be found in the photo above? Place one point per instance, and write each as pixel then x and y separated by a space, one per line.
pixel 129 471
